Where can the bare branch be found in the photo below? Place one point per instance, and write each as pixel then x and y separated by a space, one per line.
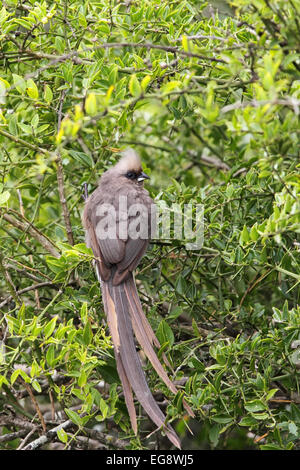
pixel 51 434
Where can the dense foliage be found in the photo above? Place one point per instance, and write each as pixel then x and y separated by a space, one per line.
pixel 210 98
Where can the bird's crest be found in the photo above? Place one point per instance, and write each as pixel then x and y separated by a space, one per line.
pixel 130 161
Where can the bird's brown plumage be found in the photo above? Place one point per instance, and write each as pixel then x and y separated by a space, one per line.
pixel 116 258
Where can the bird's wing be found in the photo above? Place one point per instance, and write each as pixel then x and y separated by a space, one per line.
pixel 112 245
pixel 139 233
pixel 123 253
pixel 134 251
pixel 102 268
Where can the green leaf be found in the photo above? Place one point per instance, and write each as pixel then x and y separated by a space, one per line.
pixel 82 20
pixel 35 384
pixel 62 435
pixel 87 334
pixel 254 235
pixel 4 197
pixel 50 355
pixel 82 378
pixel 17 373
pixel 14 376
pixel 48 95
pixel 74 416
pixel 185 43
pixel 91 106
pixel 84 312
pixel 293 429
pixel 59 44
pixel 222 419
pixel 270 447
pixel 271 393
pixel 244 237
pixel 3 380
pixel 49 327
pixel 103 27
pixel 83 158
pixel 25 128
pixel 134 86
pixel 255 405
pixel 198 365
pixel 2 92
pixel 165 333
pixel 170 86
pixel 32 89
pixel 56 265
pixel 35 121
pixel 42 128
pixel 103 408
pixel 145 82
pixel 22 22
pixel 214 434
pixel 19 83
pixel 248 421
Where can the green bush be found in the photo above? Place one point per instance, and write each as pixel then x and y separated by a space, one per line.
pixel 209 95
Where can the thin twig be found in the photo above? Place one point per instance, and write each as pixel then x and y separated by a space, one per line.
pixel 22 444
pixel 36 292
pixel 12 420
pixel 289 102
pixel 52 404
pixel 34 232
pixel 27 289
pixel 114 45
pixel 23 272
pixel 25 267
pixel 9 283
pixel 60 178
pixel 24 143
pixel 203 36
pixel 35 404
pixel 51 434
pixel 13 435
pixel 206 144
pixel 105 438
pixel 251 287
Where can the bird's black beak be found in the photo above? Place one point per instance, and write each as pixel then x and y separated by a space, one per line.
pixel 142 176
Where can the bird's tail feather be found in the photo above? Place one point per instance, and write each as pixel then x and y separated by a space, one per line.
pixel 120 307
pixel 112 320
pixel 146 336
pixel 131 291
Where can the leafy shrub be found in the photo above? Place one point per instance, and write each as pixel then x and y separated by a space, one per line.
pixel 210 98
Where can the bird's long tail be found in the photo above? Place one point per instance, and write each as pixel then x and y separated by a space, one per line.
pixel 125 315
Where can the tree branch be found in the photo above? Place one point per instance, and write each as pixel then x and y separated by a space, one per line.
pixel 60 178
pixel 26 289
pixel 51 434
pixel 47 244
pixel 23 142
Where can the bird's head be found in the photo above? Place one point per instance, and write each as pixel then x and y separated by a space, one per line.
pixel 130 167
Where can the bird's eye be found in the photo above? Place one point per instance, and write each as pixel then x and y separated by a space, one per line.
pixel 131 175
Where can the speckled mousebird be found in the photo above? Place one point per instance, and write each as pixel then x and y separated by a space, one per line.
pixel 116 257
